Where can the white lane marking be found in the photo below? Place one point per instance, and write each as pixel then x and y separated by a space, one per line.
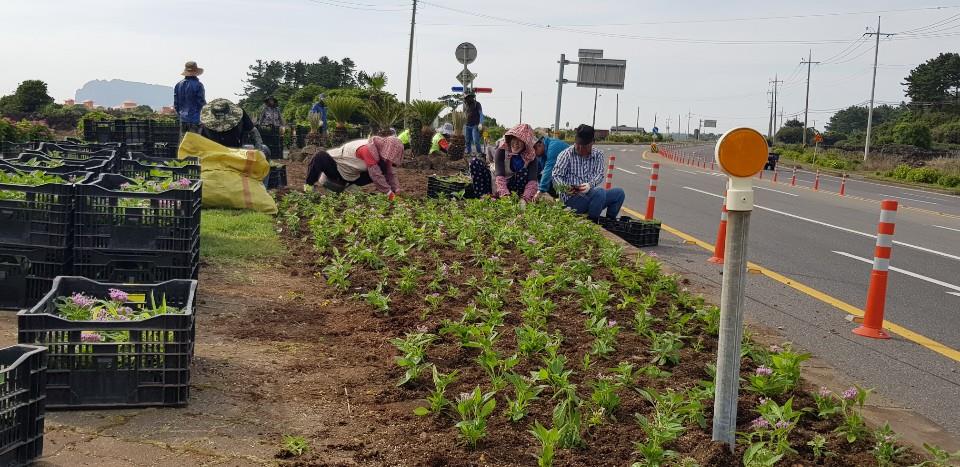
pixel 692 172
pixel 776 191
pixel 924 197
pixel 627 171
pixel 857 180
pixel 844 229
pixel 644 167
pixel 904 272
pixel 948 228
pixel 908 199
pixel 954 293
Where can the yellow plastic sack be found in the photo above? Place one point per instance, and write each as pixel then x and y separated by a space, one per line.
pixel 232 178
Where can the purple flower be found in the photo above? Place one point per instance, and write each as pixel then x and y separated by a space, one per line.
pixel 782 425
pixel 125 310
pixel 531 241
pixel 184 182
pixel 494 258
pixel 764 400
pixel 90 337
pixel 81 300
pixel 759 423
pixel 422 329
pixel 124 186
pixel 764 371
pixel 611 323
pixel 538 262
pixel 118 295
pixel 850 394
pixel 101 315
pixel 824 392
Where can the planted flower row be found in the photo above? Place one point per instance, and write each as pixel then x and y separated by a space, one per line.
pixel 570 343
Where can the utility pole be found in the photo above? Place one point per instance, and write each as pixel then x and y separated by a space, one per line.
pixel 679 128
pixel 776 81
pixel 595 95
pixel 688 122
pixel 773 117
pixel 521 106
pixel 413 22
pixel 873 87
pixel 806 107
pixel 638 118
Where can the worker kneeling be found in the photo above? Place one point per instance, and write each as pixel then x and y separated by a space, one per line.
pixel 578 175
pixel 359 163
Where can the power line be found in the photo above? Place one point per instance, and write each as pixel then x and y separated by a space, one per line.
pixel 355 6
pixel 932 25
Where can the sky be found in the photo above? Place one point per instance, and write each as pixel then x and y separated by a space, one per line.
pixel 709 59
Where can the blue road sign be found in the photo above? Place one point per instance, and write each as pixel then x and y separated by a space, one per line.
pixel 656 130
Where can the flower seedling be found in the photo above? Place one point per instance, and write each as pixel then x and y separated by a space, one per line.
pixel 605 335
pixel 605 395
pixel 665 348
pixel 886 450
pixel 437 400
pixel 819 446
pixel 827 402
pixel 379 300
pixel 853 427
pixel 474 408
pixel 939 457
pixel 414 350
pixel 548 443
pixel 294 446
pixel 525 391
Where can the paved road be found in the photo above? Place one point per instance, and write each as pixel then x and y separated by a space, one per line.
pixel 825 242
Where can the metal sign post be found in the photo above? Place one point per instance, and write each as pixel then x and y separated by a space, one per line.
pixel 741 153
pixel 593 71
pixel 466 54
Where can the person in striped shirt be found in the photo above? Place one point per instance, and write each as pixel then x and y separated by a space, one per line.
pixel 578 177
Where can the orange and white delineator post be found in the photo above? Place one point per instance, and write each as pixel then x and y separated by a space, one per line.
pixel 877 291
pixel 816 181
pixel 793 180
pixel 609 184
pixel 843 185
pixel 721 245
pixel 776 174
pixel 652 194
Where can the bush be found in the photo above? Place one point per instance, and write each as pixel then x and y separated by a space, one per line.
pixel 8 130
pixel 914 134
pixel 949 181
pixel 947 133
pixel 901 172
pixel 923 175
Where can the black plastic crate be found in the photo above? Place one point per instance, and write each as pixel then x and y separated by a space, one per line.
pixel 635 232
pixel 273 139
pixel 277 177
pixel 10 149
pixel 23 381
pixel 164 150
pixel 102 131
pixel 140 165
pixel 69 167
pixel 26 273
pixel 437 188
pixel 119 363
pixel 137 267
pixel 109 218
pixel 44 217
pixel 165 132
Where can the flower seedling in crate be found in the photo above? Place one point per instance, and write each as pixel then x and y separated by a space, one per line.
pixel 414 349
pixel 474 408
pixel 35 178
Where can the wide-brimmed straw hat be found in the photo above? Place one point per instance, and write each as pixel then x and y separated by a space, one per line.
pixel 191 69
pixel 220 115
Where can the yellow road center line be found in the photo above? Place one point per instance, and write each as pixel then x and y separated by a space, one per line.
pixel 901 331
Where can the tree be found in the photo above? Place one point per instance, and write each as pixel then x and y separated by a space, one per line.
pixel 792 132
pixel 914 134
pixel 793 124
pixel 282 79
pixel 854 118
pixel 30 96
pixel 936 82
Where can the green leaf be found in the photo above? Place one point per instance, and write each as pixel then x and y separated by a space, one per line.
pixel 421 411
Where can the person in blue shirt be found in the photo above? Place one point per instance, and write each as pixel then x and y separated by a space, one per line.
pixel 579 174
pixel 547 151
pixel 189 97
pixel 320 107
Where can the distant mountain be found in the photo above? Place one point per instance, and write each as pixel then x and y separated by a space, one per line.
pixel 112 93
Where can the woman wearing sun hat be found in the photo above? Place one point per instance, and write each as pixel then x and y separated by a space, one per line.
pixel 226 123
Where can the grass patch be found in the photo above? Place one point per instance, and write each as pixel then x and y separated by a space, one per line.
pixel 229 237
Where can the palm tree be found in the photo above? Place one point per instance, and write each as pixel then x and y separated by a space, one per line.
pixel 382 116
pixel 426 112
pixel 457 141
pixel 342 108
pixel 377 81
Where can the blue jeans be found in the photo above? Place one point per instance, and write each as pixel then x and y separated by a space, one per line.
pixel 472 135
pixel 596 200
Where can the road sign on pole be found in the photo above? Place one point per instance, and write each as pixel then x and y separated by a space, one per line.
pixel 601 73
pixel 709 123
pixel 741 153
pixel 466 76
pixel 466 53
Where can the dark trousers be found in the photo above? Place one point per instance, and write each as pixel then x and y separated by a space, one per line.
pixel 322 163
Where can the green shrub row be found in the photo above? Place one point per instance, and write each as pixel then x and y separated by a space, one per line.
pixel 924 175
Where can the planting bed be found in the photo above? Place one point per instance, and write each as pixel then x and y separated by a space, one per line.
pixel 505 304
